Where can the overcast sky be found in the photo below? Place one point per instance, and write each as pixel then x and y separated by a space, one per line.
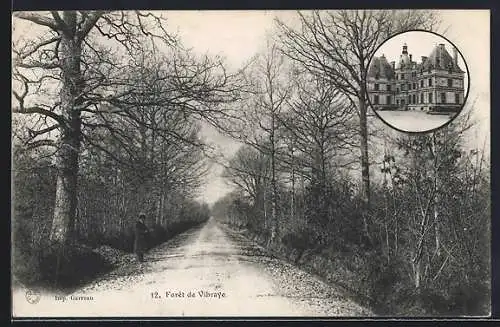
pixel 238 35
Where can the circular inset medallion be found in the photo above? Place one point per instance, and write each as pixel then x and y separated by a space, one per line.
pixel 417 81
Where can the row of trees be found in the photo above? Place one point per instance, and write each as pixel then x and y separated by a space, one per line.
pixel 418 218
pixel 106 123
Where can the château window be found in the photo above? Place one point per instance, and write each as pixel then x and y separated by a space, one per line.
pixel 457 98
pixel 409 99
pixel 375 99
pixel 414 99
pixel 443 97
pixel 376 87
pixel 450 82
pixel 430 97
pixel 402 76
pixel 430 81
pixel 388 87
pixel 397 102
pixel 421 83
pixel 397 90
pixel 421 98
pixel 388 99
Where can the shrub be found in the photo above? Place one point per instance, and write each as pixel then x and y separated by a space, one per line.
pixel 74 265
pixel 300 239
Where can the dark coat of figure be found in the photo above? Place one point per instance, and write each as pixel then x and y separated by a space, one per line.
pixel 141 232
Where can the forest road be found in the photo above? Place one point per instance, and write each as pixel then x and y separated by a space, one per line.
pixel 207 271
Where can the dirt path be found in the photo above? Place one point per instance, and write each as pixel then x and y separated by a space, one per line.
pixel 208 271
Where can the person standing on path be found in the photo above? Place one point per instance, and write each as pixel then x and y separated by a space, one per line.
pixel 141 232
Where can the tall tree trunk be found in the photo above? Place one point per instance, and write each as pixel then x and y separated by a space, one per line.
pixel 436 196
pixel 365 165
pixel 266 223
pixel 274 198
pixel 303 202
pixel 162 207
pixel 324 202
pixel 69 141
pixel 292 205
pixel 417 267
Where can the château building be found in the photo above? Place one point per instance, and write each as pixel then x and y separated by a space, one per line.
pixel 434 85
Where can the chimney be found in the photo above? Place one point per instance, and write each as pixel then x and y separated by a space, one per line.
pixel 455 56
pixel 441 46
pixel 410 57
pixel 405 49
pixel 393 64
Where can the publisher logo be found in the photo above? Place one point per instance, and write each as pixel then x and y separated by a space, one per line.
pixel 32 296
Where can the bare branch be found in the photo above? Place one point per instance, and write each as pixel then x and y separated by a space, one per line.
pixel 38 19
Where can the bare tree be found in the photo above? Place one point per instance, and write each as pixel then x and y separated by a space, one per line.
pixel 248 170
pixel 260 125
pixel 62 50
pixel 433 181
pixel 321 125
pixel 81 64
pixel 338 45
pixel 321 128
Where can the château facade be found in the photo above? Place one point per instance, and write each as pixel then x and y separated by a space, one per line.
pixel 434 85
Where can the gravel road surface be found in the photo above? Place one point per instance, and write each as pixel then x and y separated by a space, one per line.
pixel 207 271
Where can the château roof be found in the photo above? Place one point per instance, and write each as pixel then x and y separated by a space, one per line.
pixel 380 68
pixel 440 59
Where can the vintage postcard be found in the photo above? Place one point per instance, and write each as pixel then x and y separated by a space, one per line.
pixel 315 163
